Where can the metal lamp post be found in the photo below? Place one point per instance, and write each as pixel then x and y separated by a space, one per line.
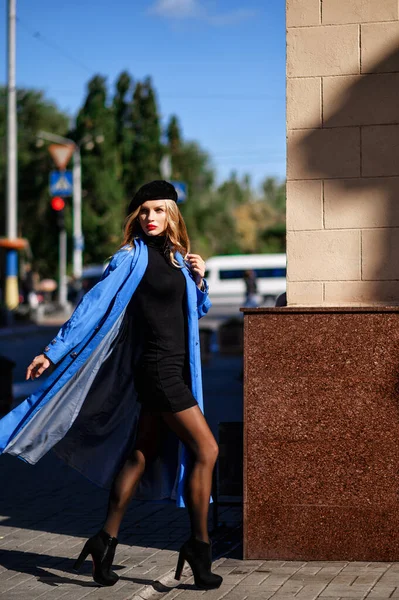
pixel 11 282
pixel 77 259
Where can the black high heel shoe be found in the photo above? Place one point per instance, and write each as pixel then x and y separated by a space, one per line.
pixel 102 549
pixel 199 556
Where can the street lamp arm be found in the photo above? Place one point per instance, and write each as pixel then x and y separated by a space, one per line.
pixel 60 139
pixel 53 137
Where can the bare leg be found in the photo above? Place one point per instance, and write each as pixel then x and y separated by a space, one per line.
pixel 192 429
pixel 128 478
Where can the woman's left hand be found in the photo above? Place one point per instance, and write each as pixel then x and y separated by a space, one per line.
pixel 197 267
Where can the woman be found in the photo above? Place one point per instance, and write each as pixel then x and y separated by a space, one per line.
pixel 114 411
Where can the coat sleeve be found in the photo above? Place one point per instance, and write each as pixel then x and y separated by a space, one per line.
pixel 203 302
pixel 88 312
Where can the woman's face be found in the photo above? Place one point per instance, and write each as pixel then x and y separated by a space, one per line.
pixel 152 217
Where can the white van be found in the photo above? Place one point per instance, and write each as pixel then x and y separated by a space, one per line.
pixel 225 276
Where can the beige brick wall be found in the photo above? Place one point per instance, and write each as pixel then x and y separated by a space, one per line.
pixel 342 152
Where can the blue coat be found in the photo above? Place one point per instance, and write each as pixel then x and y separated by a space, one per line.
pixel 87 409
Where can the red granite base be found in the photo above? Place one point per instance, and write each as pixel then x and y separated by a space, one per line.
pixel 321 434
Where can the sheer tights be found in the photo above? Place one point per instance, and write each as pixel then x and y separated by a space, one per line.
pixel 192 429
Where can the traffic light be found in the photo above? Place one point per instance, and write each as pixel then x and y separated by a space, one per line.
pixel 58 205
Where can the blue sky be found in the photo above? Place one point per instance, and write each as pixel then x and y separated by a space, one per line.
pixel 218 64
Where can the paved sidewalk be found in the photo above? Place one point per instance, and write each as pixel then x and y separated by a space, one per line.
pixel 47 511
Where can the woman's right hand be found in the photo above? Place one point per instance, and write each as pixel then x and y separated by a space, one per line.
pixel 38 365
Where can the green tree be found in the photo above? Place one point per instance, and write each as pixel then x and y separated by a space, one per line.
pixel 235 192
pixel 273 236
pixel 35 215
pixel 274 194
pixel 190 163
pixel 103 199
pixel 122 144
pixel 252 219
pixel 222 225
pixel 174 139
pixel 123 123
pixel 146 147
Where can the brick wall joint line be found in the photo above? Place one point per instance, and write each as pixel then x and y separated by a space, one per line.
pixel 361 255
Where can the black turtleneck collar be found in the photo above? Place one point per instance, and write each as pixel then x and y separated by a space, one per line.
pixel 155 241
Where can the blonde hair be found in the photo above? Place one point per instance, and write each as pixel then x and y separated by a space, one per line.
pixel 176 232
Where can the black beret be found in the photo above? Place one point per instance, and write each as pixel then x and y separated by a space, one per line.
pixel 155 190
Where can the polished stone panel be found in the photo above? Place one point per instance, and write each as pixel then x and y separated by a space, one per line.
pixel 321 433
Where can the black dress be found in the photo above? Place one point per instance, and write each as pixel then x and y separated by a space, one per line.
pixel 158 309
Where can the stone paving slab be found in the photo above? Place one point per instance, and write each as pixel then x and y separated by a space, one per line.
pixel 47 512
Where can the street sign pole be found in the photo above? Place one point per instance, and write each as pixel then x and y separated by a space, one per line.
pixel 181 189
pixel 77 198
pixel 165 167
pixel 77 215
pixel 62 280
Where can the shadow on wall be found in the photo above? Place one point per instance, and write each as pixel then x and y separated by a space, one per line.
pixel 356 152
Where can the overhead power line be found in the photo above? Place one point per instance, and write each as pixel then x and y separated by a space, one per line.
pixel 37 35
pixel 41 38
pixel 73 94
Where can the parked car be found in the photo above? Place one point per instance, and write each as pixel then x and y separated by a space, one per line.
pixel 225 276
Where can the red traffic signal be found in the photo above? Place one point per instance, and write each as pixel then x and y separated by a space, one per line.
pixel 57 203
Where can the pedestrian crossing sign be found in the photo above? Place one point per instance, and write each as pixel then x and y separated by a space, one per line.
pixel 61 183
pixel 181 189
